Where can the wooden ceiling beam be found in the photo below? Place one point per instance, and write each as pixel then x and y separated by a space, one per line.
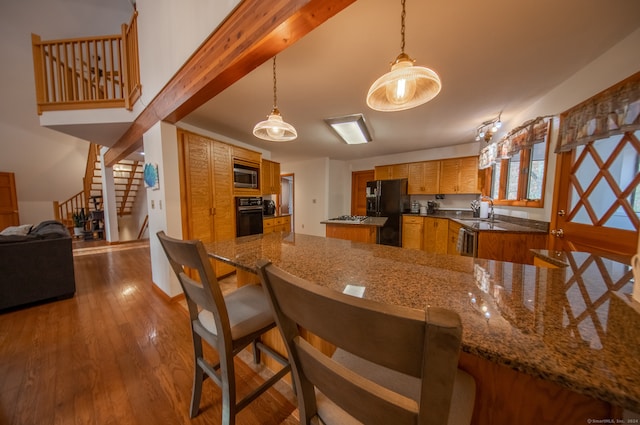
pixel 253 33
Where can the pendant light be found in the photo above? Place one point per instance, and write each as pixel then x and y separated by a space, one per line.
pixel 406 85
pixel 275 129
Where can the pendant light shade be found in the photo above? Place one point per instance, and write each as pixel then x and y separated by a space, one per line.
pixel 406 85
pixel 275 129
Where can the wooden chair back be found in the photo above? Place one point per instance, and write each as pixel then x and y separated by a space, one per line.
pixel 422 344
pixel 205 292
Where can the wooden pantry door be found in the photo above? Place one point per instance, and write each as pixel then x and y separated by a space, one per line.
pixel 597 198
pixel 8 201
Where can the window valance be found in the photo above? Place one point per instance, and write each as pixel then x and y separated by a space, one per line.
pixel 522 137
pixel 613 111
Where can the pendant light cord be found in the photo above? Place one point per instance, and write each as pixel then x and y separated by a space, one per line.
pixel 275 96
pixel 402 17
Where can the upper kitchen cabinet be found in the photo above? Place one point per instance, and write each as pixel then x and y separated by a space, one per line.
pixel 390 172
pixel 459 175
pixel 246 155
pixel 270 177
pixel 424 178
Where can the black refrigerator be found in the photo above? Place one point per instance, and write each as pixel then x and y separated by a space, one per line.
pixel 388 198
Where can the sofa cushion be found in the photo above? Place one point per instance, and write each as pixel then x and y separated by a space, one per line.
pixel 50 229
pixel 21 230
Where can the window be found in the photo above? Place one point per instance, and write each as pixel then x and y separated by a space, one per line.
pixel 536 171
pixel 515 166
pixel 513 177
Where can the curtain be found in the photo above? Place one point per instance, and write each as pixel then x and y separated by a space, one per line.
pixel 613 111
pixel 522 137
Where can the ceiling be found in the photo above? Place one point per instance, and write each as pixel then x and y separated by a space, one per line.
pixel 494 56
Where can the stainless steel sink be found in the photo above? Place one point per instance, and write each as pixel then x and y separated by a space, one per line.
pixel 479 220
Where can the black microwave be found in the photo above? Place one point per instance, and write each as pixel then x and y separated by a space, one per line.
pixel 245 176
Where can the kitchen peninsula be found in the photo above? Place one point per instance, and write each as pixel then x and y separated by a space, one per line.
pixel 545 345
pixel 354 228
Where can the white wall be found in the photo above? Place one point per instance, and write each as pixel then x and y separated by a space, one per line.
pixel 311 194
pixel 129 225
pixel 163 204
pixel 339 202
pixel 169 32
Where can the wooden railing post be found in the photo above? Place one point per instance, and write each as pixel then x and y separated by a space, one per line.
pixel 38 72
pixel 56 211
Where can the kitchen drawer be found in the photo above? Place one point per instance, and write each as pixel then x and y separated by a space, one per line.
pixel 410 219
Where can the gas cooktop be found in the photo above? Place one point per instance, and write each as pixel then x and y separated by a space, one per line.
pixel 350 218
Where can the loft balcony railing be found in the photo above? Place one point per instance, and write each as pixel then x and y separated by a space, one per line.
pixel 88 73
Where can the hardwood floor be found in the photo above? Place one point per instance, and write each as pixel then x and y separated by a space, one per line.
pixel 115 353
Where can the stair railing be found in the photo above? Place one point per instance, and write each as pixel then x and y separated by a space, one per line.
pixel 63 211
pixel 87 73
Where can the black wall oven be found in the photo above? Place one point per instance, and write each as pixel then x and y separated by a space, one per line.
pixel 248 216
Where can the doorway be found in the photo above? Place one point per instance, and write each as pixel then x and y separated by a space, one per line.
pixel 8 201
pixel 287 197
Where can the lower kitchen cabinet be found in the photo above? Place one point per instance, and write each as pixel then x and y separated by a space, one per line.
pixel 436 231
pixel 452 238
pixel 412 231
pixel 276 224
pixel 511 247
pixel 352 232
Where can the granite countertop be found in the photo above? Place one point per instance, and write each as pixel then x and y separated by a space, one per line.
pixel 499 224
pixel 575 326
pixel 369 221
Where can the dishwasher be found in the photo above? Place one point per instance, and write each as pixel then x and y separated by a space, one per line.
pixel 467 242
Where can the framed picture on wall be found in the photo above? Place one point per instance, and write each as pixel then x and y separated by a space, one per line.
pixel 150 174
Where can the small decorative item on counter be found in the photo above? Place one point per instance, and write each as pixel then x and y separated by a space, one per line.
pixel 415 207
pixel 475 207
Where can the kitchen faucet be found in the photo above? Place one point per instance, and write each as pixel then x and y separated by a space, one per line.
pixel 487 198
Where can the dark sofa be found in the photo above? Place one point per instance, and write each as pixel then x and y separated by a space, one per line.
pixel 37 266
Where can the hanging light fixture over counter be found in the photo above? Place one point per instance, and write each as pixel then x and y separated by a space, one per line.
pixel 275 129
pixel 406 85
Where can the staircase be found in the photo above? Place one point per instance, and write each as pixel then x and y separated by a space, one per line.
pixel 127 177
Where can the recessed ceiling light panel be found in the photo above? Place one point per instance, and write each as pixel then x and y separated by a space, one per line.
pixel 351 128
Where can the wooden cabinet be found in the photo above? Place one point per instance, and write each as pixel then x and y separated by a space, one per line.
pixel 511 247
pixel 452 238
pixel 276 224
pixel 246 155
pixel 224 203
pixel 352 232
pixel 459 175
pixel 390 172
pixel 424 178
pixel 412 231
pixel 206 189
pixel 447 176
pixel 435 235
pixel 270 177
